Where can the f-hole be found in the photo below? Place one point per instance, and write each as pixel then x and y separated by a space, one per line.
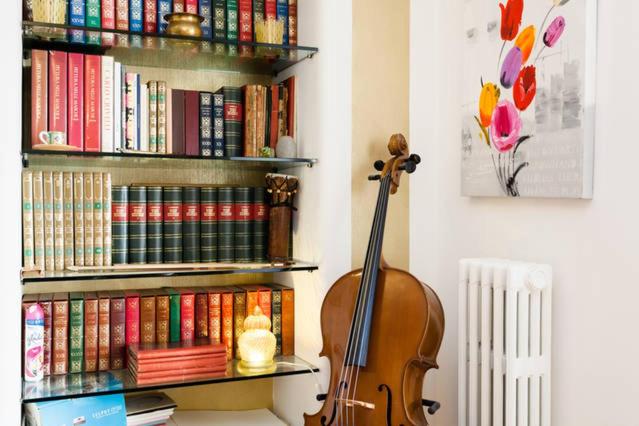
pixel 389 401
pixel 343 385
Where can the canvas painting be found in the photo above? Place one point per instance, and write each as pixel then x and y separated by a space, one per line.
pixel 528 98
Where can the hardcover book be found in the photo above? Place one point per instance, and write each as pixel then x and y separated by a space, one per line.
pixel 163 117
pixel 132 317
pixel 276 319
pixel 57 91
pixel 58 222
pixel 47 185
pixel 137 224
pixel 239 313
pixel 76 333
pixel 132 141
pixel 282 15
pixel 46 303
pixel 168 121
pixel 264 299
pixel 215 315
pixel 67 212
pixel 178 6
pixel 107 104
pixel 227 321
pixel 78 218
pixel 219 19
pixel 245 20
pixel 225 225
pixel 153 115
pixel 104 331
pixel 77 13
pixel 123 108
pixel 107 221
pixel 162 317
pixel 232 20
pixel 108 14
pixel 177 121
pixel 122 15
pixel 164 8
pixel 191 225
pixel 89 237
pixel 60 353
pixel 39 94
pixel 90 332
pixel 117 107
pixel 218 125
pixel 232 121
pixel 244 223
pixel 135 15
pixel 174 315
pixel 120 224
pixel 192 122
pixel 147 316
pixel 292 22
pixel 250 120
pixel 143 123
pixel 154 224
pixel 172 227
pixel 27 220
pixel 150 16
pixel 258 14
pixel 260 225
pixel 93 13
pixel 288 321
pixel 290 105
pixel 206 124
pixel 206 12
pixel 251 299
pixel 191 6
pixel 98 219
pixel 117 332
pixel 38 220
pixel 208 224
pixel 92 103
pixel 201 314
pixel 75 98
pixel 274 116
pixel 187 315
pixel 270 9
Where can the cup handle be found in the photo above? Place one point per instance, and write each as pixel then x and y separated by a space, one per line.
pixel 44 137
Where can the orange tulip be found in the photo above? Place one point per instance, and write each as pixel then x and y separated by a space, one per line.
pixel 487 102
pixel 525 42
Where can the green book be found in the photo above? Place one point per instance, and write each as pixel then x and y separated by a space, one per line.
pixel 243 235
pixel 231 20
pixel 76 332
pixel 120 224
pixel 191 225
pixel 137 224
pixel 219 19
pixel 172 226
pixel 174 315
pixel 233 146
pixel 208 224
pixel 93 13
pixel 260 225
pixel 276 320
pixel 154 224
pixel 225 225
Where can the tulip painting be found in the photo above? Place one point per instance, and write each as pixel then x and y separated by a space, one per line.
pixel 511 14
pixel 525 88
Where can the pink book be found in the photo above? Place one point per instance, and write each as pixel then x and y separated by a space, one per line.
pixel 131 318
pixel 75 97
pixel 187 315
pixel 58 91
pixel 191 6
pixel 92 103
pixel 108 14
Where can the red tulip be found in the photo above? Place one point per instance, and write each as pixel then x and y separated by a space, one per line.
pixel 525 88
pixel 511 18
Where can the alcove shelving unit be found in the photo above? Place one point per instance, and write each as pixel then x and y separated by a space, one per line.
pixel 187 63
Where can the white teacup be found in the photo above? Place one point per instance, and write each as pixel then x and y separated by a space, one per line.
pixel 52 137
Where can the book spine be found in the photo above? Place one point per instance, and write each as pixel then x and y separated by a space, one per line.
pixel 58 221
pixel 123 108
pixel 239 313
pixel 60 353
pixel 131 107
pixel 248 93
pixel 165 7
pixel 107 225
pixel 38 221
pixel 232 20
pixel 88 219
pixel 206 131
pixel 264 299
pixel 57 91
pixel 75 96
pixel 135 15
pixel 92 103
pixel 201 315
pixel 104 333
pixel 39 94
pixel 177 100
pixel 150 16
pixel 117 332
pixel 47 310
pixel 174 317
pixel 137 113
pixel 192 122
pixel 117 106
pixel 191 6
pixel 219 19
pixel 28 259
pixel 246 20
pixel 227 323
pixel 93 11
pixel 98 220
pixel 270 9
pixel 187 317
pixel 178 6
pixel 162 321
pixel 288 322
pixel 260 225
pixel 292 22
pixel 276 320
pixel 206 12
pixel 215 316
pixel 162 118
pixel 251 301
pixel 225 225
pixel 76 335
pixel 154 224
pixel 67 213
pixel 143 123
pixel 78 219
pixel 131 320
pixel 137 224
pixel 153 116
pixel 258 15
pixel 120 224
pixel 261 119
pixel 90 334
pixel 244 218
pixel 76 13
pixel 122 15
pixel 108 14
pixel 290 106
pixel 218 125
pixel 274 116
pixel 147 319
pixel 208 224
pixel 232 121
pixel 48 221
pixel 172 226
pixel 107 104
pixel 191 225
pixel 282 15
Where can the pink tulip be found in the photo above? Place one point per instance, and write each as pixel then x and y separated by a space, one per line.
pixel 505 126
pixel 554 31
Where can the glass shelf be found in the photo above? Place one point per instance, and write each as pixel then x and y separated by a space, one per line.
pixel 43 158
pixel 166 271
pixel 166 51
pixel 81 385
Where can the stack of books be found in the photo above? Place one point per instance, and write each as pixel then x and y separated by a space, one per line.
pixel 88 332
pixel 149 409
pixel 155 363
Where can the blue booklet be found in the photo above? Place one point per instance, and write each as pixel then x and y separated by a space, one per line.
pixel 108 410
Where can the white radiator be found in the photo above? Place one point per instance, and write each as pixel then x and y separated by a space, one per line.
pixel 504 343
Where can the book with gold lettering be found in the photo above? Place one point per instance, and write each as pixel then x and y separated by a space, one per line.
pixel 239 314
pixel 104 331
pixel 88 219
pixel 58 222
pixel 76 332
pixel 107 233
pixel 47 184
pixel 78 218
pixel 67 210
pixel 27 220
pixel 98 219
pixel 60 352
pixel 46 302
pixel 90 332
pixel 147 316
pixel 137 224
pixel 162 317
pixel 38 220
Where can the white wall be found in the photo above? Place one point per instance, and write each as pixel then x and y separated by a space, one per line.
pixel 592 245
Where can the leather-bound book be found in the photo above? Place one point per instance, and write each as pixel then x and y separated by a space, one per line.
pixel 27 220
pixel 183 362
pixel 218 124
pixel 201 313
pixel 154 224
pixel 67 213
pixel 288 321
pixel 178 6
pixel 187 315
pixel 206 124
pixel 290 105
pixel 150 16
pixel 120 224
pixel 39 94
pixel 174 315
pixel 147 316
pixel 282 15
pixel 93 14
pixel 90 332
pixel 246 20
pixel 92 103
pixel 98 220
pixel 191 225
pixel 153 115
pixel 190 6
pixel 264 300
pixel 38 220
pixel 270 9
pixel 108 14
pixel 137 224
pixel 192 122
pixel 88 218
pixel 118 325
pixel 58 221
pixel 132 318
pixel 162 316
pixel 208 224
pixel 292 22
pixel 172 228
pixel 46 303
pixel 136 10
pixel 239 314
pixel 60 353
pixel 274 116
pixel 218 19
pixel 107 233
pixel 244 223
pixel 225 225
pixel 58 91
pixel 76 332
pixel 251 298
pixel 276 318
pixel 78 218
pixel 163 116
pixel 215 314
pixel 227 321
pixel 260 225
pixel 49 244
pixel 104 331
pixel 177 121
pixel 232 121
pixel 122 14
pixel 75 97
pixel 164 7
pixel 232 20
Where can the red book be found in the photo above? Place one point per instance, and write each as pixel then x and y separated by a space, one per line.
pixel 151 16
pixel 147 316
pixel 251 299
pixel 180 377
pixel 177 120
pixel 191 6
pixel 192 122
pixel 201 315
pixel 290 112
pixel 90 332
pixel 118 321
pixel 174 350
pixel 60 353
pixel 92 83
pixel 264 300
pixel 246 20
pixel 39 94
pixel 292 22
pixel 75 96
pixel 215 315
pixel 181 371
pixel 132 317
pixel 274 115
pixel 57 91
pixel 227 322
pixel 288 321
pixel 104 331
pixel 122 14
pixel 45 301
pixel 108 14
pixel 178 6
pixel 196 361
pixel 270 9
pixel 187 315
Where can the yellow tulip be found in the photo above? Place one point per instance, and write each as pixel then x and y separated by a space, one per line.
pixel 487 102
pixel 525 42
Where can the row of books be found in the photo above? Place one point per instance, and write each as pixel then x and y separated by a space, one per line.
pixel 91 331
pixel 103 108
pixel 66 219
pixel 173 224
pixel 231 20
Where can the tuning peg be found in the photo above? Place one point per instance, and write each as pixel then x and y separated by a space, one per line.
pixel 433 406
pixel 415 158
pixel 379 165
pixel 409 167
pixel 374 177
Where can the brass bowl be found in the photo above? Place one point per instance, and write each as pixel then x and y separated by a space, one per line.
pixel 184 24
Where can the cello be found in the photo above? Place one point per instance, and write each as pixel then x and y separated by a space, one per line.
pixel 381 329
